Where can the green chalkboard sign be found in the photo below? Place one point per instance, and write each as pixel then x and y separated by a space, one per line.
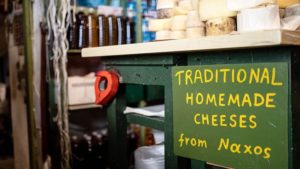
pixel 232 115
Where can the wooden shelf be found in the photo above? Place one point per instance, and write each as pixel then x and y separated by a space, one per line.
pixel 84 106
pixel 7 164
pixel 152 122
pixel 74 51
pixel 233 41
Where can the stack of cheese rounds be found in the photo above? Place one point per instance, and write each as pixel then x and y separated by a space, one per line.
pixel 219 19
pixel 162 25
pixel 180 19
pixel 195 28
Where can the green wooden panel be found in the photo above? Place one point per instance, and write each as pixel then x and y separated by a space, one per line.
pixel 134 93
pixel 275 54
pixel 141 60
pixel 152 122
pixel 132 68
pixel 196 164
pixel 117 131
pixel 144 75
pixel 233 125
pixel 154 93
pixel 296 106
pixel 171 160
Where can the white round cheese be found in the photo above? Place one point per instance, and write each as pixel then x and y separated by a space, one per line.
pixel 159 24
pixel 193 20
pixel 220 26
pixel 163 35
pixel 178 35
pixel 163 4
pixel 286 3
pixel 256 19
pixel 165 13
pixel 282 13
pixel 195 32
pixel 185 4
pixel 292 10
pixel 237 5
pixel 210 9
pixel 179 23
pixel 194 4
pixel 180 11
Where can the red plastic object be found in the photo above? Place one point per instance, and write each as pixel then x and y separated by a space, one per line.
pixel 112 84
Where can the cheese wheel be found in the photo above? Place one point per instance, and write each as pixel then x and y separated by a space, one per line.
pixel 179 23
pixel 256 19
pixel 193 20
pixel 164 4
pixel 237 5
pixel 282 13
pixel 210 9
pixel 180 11
pixel 291 23
pixel 159 24
pixel 185 4
pixel 292 10
pixel 286 3
pixel 195 32
pixel 165 13
pixel 163 35
pixel 220 26
pixel 194 4
pixel 178 34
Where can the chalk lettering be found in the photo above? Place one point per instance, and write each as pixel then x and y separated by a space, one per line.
pixel 191 141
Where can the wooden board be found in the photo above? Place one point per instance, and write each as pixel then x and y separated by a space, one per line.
pixel 7 164
pixel 229 113
pixel 18 112
pixel 235 41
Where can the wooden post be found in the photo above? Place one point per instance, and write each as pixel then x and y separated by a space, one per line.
pixel 33 146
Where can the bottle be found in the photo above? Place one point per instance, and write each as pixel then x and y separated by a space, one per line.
pixel 112 30
pixel 145 32
pixel 144 5
pixel 131 9
pixel 121 30
pixel 91 29
pixel 152 13
pixel 81 25
pixel 6 6
pixel 72 32
pixel 130 31
pixel 102 29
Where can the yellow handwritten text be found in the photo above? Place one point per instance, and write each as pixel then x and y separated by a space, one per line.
pixel 238 148
pixel 224 120
pixel 266 100
pixel 267 76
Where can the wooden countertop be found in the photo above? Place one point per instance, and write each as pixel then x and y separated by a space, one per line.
pixel 233 41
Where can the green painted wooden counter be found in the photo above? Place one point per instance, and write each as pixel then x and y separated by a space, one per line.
pixel 151 64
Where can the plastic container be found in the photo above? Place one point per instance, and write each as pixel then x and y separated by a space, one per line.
pixel 90 3
pixel 131 9
pixel 150 157
pixel 146 33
